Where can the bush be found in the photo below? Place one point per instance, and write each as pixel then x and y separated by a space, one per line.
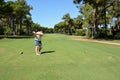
pixel 80 32
pixel 117 35
pixel 103 33
pixel 89 33
pixel 7 30
pixel 1 30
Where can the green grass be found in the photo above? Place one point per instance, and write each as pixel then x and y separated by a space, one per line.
pixel 63 59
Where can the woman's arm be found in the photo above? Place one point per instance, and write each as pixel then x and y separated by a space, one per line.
pixel 34 33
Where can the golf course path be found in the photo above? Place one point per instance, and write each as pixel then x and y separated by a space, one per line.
pixel 92 40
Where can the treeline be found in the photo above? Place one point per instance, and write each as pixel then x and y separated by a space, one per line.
pixel 15 18
pixel 97 19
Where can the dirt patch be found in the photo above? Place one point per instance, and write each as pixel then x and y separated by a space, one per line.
pixel 92 40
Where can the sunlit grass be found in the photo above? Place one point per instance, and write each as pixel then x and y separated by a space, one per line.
pixel 62 59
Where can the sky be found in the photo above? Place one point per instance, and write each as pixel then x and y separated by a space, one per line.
pixel 47 13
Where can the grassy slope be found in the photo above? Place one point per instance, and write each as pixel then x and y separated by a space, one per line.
pixel 63 59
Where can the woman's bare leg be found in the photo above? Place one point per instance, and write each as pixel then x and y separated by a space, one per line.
pixel 37 50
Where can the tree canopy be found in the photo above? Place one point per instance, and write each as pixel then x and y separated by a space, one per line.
pixel 15 18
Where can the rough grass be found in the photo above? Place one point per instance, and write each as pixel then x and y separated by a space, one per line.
pixel 62 59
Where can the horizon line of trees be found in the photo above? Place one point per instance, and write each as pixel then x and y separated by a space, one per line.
pixel 98 18
pixel 15 19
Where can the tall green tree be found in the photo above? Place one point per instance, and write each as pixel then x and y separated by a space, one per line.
pixel 78 21
pixel 96 4
pixel 21 9
pixel 28 23
pixel 5 14
pixel 69 22
pixel 61 27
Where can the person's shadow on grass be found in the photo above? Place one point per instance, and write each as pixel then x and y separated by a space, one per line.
pixel 47 52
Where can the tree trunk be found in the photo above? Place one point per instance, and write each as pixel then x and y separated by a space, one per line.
pixel 13 26
pixel 20 23
pixel 28 27
pixel 70 30
pixel 95 29
pixel 105 22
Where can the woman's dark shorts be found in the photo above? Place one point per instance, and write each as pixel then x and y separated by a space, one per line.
pixel 38 43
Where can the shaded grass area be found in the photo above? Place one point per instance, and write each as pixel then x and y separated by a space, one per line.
pixel 108 40
pixel 61 59
pixel 14 36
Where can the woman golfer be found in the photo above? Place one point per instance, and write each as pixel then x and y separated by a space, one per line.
pixel 37 41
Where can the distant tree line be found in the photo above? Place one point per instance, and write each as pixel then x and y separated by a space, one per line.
pixel 15 18
pixel 97 19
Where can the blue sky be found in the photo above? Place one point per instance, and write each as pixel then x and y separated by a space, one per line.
pixel 47 13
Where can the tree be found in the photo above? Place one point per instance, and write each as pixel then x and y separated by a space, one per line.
pixel 99 6
pixel 60 28
pixel 21 10
pixel 5 14
pixel 69 22
pixel 28 23
pixel 78 21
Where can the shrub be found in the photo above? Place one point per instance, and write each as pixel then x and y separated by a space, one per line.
pixel 89 33
pixel 117 35
pixel 80 32
pixel 7 30
pixel 103 33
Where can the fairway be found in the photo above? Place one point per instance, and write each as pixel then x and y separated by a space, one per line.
pixel 62 59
